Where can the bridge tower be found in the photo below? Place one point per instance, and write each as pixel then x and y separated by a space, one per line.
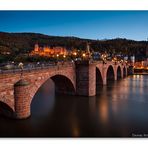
pixel 22 102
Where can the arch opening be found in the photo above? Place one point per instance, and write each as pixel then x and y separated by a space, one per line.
pixel 6 110
pixel 118 73
pixel 63 85
pixel 110 74
pixel 124 72
pixel 99 80
pixel 44 99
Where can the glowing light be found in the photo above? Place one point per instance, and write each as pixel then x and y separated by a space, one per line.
pixel 138 76
pixel 83 54
pixel 57 55
pixel 64 56
pixel 75 53
pixel 115 59
pixel 103 109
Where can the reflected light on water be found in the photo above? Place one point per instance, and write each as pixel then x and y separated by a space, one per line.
pixel 141 87
pixel 75 132
pixel 92 106
pixel 75 127
pixel 103 110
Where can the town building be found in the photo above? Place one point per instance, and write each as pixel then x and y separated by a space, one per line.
pixel 141 65
pixel 49 51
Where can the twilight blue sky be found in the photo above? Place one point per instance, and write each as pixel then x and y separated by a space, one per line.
pixel 84 24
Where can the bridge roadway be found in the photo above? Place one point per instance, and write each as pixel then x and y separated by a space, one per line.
pixel 18 87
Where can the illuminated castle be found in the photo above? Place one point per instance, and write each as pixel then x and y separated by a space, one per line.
pixel 48 51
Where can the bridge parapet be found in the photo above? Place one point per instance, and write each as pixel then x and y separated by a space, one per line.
pixel 36 67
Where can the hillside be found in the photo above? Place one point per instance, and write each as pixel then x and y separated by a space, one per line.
pixel 20 43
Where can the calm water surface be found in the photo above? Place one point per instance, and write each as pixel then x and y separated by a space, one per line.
pixel 119 110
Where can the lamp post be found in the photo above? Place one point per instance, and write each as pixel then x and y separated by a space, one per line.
pixel 64 57
pixel 74 55
pixel 21 66
pixel 83 56
pixel 115 59
pixel 57 57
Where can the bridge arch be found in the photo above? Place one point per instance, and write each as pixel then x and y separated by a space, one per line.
pixel 63 84
pixel 99 79
pixel 110 73
pixel 119 73
pixel 26 89
pixel 124 72
pixel 6 110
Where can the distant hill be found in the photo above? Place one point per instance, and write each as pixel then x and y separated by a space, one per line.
pixel 19 43
pixel 26 41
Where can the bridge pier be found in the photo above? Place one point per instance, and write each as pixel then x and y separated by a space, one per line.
pixel 85 78
pixel 122 75
pixel 115 77
pixel 104 81
pixel 22 102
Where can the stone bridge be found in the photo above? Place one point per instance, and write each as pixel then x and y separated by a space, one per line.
pixel 17 88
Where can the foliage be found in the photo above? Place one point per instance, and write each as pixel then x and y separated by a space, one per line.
pixel 20 44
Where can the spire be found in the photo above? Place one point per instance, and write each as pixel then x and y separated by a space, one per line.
pixel 88 48
pixel 36 47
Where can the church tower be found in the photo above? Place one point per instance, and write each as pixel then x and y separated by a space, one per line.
pixel 36 48
pixel 88 48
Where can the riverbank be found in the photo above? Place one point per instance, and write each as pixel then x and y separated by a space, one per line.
pixel 141 71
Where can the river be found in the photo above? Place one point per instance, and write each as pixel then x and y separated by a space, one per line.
pixel 120 109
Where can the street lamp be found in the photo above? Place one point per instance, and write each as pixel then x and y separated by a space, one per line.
pixel 75 53
pixel 115 60
pixel 83 55
pixel 57 57
pixel 21 65
pixel 64 56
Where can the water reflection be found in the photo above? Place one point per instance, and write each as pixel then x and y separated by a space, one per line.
pixel 75 127
pixel 103 110
pixel 40 104
pixel 118 110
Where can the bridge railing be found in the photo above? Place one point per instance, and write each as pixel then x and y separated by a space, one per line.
pixel 58 65
pixel 30 67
